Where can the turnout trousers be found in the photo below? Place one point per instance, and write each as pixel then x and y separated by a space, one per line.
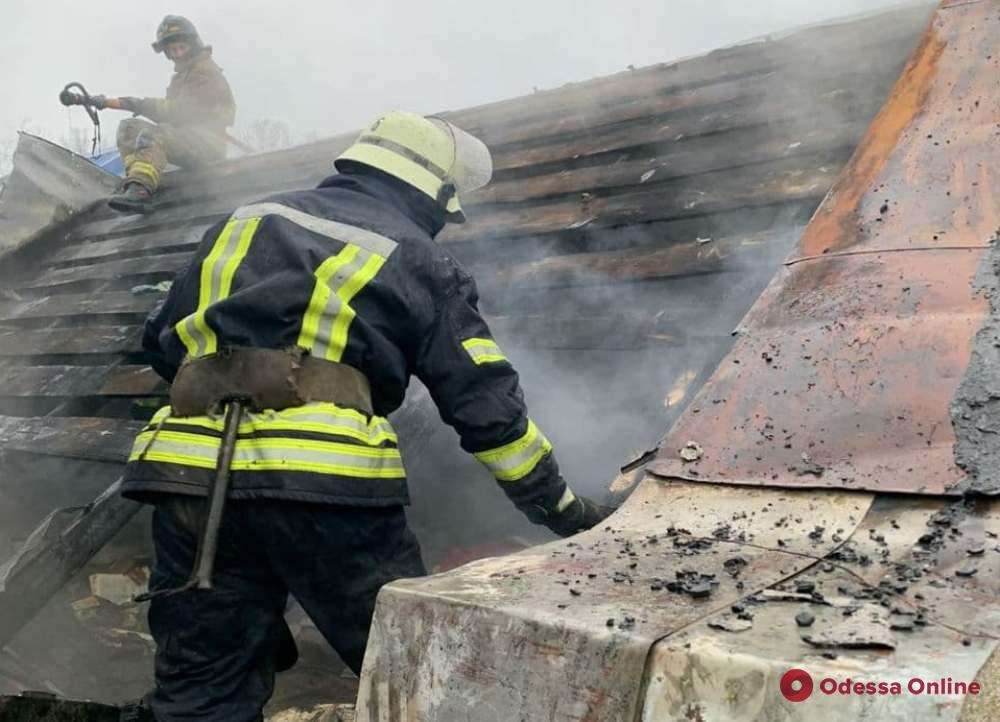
pixel 147 147
pixel 217 650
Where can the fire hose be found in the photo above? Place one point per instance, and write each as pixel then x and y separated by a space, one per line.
pixel 81 97
pixel 67 97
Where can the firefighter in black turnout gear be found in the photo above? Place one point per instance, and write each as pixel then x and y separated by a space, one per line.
pixel 316 307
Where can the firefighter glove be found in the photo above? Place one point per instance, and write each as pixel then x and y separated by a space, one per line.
pixel 580 515
pixel 68 97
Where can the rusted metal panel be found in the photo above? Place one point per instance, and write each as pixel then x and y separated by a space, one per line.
pixel 562 631
pixel 847 364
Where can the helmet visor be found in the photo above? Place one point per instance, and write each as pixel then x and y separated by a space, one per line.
pixel 472 167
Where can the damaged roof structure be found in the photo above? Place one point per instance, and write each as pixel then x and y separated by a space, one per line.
pixel 834 506
pixel 825 502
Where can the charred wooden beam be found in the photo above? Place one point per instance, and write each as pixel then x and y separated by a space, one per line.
pixel 58 548
pixel 775 93
pixel 828 44
pixel 691 258
pixel 636 264
pixel 78 308
pixel 90 438
pixel 622 331
pixel 35 707
pixel 713 193
pixel 79 381
pixel 98 340
pixel 160 267
pixel 743 151
pixel 135 244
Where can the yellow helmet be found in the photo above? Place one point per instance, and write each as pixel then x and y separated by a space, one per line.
pixel 430 154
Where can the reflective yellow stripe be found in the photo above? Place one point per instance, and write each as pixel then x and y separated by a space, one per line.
pixel 142 168
pixel 342 323
pixel 271 454
pixel 318 417
pixel 208 266
pixel 231 263
pixel 216 280
pixel 328 318
pixel 519 458
pixel 192 330
pixel 483 350
pixel 322 295
pixel 189 341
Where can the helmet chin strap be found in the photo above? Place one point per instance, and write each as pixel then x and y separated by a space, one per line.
pixel 445 193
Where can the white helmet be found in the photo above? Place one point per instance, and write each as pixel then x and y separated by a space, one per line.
pixel 430 154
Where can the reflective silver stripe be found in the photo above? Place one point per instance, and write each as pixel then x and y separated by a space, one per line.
pixel 282 455
pixel 369 240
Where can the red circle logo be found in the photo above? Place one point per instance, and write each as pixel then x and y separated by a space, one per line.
pixel 796 685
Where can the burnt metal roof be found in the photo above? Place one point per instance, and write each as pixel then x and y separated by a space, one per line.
pixel 868 362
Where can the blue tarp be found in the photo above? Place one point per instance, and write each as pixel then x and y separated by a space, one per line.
pixel 110 161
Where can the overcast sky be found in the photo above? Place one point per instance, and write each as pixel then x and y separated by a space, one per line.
pixel 331 66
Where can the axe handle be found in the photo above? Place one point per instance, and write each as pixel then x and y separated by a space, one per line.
pixel 204 563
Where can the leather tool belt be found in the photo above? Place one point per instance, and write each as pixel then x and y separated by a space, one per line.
pixel 265 379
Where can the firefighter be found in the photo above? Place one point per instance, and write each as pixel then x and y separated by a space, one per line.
pixel 316 307
pixel 190 122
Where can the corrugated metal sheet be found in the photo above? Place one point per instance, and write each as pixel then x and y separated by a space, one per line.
pixel 48 185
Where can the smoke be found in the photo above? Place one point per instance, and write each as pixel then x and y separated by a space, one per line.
pixel 614 346
pixel 328 67
pixel 607 364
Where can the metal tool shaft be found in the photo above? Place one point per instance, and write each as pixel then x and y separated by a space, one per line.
pixel 208 545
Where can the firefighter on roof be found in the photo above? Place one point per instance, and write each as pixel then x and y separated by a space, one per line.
pixel 189 127
pixel 316 307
